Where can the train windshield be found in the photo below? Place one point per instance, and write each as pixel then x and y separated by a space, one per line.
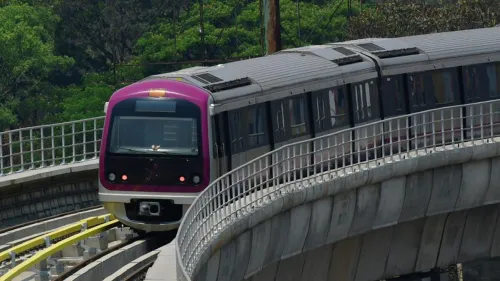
pixel 154 135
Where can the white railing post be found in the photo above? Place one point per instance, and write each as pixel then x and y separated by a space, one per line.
pixel 21 153
pixel 73 142
pixel 84 140
pixel 95 139
pixel 53 144
pixel 10 153
pixel 1 154
pixel 32 150
pixel 42 149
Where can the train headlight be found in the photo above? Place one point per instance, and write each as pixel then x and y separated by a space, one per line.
pixel 196 179
pixel 111 176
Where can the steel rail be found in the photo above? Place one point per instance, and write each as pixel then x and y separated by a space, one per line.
pixel 54 248
pixel 59 233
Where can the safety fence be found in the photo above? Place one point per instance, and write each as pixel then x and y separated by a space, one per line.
pixel 50 145
pixel 300 165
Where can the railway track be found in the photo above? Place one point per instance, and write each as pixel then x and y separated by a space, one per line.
pixel 44 251
pixel 25 255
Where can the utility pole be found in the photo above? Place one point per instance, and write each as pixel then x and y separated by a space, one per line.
pixel 272 25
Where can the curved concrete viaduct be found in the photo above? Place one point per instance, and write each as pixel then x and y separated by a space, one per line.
pixel 402 217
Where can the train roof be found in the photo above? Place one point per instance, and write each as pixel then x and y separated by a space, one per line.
pixel 445 49
pixel 284 73
pixel 309 68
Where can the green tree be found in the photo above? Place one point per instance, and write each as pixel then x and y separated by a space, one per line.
pixel 402 18
pixel 232 29
pixel 100 34
pixel 87 100
pixel 27 64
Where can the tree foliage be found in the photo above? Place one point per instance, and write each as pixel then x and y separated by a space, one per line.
pixel 397 18
pixel 62 60
pixel 232 29
pixel 28 63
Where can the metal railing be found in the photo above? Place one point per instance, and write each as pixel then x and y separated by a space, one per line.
pixel 300 165
pixel 50 145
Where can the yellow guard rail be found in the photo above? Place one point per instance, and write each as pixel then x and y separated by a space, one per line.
pixel 95 225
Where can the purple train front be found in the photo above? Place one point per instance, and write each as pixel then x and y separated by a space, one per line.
pixel 155 156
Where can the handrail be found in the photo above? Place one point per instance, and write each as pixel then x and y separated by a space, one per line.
pixel 50 145
pixel 54 248
pixel 264 179
pixel 56 234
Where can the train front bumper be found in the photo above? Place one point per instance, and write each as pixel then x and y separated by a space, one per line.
pixel 118 210
pixel 114 202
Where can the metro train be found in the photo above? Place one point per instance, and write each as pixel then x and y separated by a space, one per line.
pixel 168 136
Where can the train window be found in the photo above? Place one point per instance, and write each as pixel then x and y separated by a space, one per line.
pixel 365 97
pixel 215 140
pixel 493 74
pixel 319 107
pixel 173 135
pixel 481 81
pixel 393 95
pixel 417 91
pixel 368 101
pixel 256 124
pixel 337 102
pixel 473 84
pixel 278 120
pixel 297 112
pixel 358 102
pixel 235 132
pixel 445 86
pixel 330 104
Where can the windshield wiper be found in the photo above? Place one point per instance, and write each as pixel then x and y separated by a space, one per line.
pixel 162 152
pixel 131 149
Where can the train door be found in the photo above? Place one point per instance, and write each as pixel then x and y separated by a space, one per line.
pixel 395 104
pixel 420 99
pixel 220 149
pixel 480 83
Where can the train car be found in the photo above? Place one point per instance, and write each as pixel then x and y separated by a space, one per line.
pixel 419 73
pixel 167 137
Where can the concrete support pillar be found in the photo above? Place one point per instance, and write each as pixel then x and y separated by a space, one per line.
pixel 58 269
pixel 89 252
pixel 44 272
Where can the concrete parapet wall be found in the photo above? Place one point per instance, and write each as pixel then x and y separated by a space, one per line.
pixel 404 248
pixel 46 192
pixel 394 214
